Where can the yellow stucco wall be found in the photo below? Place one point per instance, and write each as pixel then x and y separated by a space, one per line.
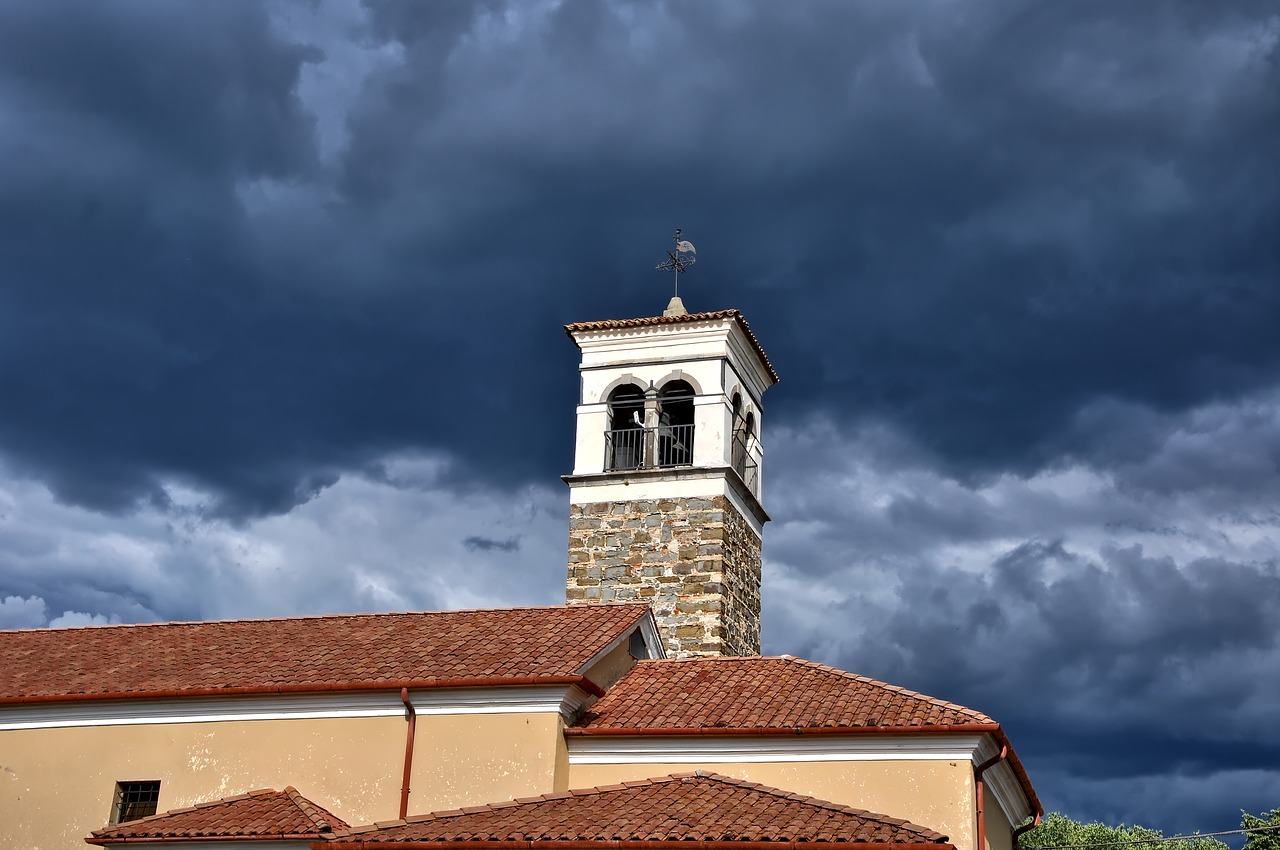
pixel 56 785
pixel 936 794
pixel 999 832
pixel 612 667
pixel 469 759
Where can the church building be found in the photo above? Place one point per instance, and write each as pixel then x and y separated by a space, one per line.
pixel 639 715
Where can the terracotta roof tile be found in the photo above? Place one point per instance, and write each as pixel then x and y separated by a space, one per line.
pixel 301 654
pixel 701 694
pixel 685 807
pixel 705 696
pixel 262 815
pixel 683 318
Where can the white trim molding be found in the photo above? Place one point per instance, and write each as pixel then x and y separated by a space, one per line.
pixel 648 631
pixel 130 712
pixel 652 641
pixel 734 749
pixel 1003 783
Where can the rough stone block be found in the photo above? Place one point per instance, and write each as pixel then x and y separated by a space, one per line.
pixel 696 561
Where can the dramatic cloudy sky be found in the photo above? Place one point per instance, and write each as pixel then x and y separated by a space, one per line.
pixel 281 288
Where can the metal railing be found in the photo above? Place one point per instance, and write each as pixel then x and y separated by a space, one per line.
pixel 744 464
pixel 675 445
pixel 624 449
pixel 648 448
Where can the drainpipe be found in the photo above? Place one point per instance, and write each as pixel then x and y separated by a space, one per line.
pixel 1017 833
pixel 412 717
pixel 979 788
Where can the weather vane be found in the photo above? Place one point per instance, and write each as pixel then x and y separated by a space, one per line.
pixel 676 261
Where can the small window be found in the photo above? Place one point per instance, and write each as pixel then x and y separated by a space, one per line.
pixel 135 800
pixel 639 649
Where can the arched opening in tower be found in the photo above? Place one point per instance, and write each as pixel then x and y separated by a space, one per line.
pixel 675 424
pixel 624 441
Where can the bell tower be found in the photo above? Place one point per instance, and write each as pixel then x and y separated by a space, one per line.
pixel 664 498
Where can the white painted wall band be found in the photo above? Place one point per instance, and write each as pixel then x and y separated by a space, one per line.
pixel 126 712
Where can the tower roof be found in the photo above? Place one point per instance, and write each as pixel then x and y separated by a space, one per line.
pixel 677 319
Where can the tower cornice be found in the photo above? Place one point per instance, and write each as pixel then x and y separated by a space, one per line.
pixel 588 332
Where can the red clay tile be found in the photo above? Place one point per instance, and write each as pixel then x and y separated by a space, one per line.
pixel 262 815
pixel 308 654
pixel 685 807
pixel 699 694
pixel 702 696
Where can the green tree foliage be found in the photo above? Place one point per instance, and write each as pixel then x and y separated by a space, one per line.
pixel 1266 840
pixel 1058 830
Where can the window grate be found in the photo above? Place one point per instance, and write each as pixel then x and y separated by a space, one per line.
pixel 648 448
pixel 135 800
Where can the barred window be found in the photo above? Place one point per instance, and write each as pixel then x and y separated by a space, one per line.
pixel 135 800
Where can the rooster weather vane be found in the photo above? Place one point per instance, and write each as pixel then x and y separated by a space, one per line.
pixel 677 261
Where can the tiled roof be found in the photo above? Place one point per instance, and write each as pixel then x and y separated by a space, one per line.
pixel 784 695
pixel 263 815
pixel 700 694
pixel 682 318
pixel 509 646
pixel 701 807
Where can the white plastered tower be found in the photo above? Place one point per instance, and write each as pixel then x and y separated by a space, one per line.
pixel 664 497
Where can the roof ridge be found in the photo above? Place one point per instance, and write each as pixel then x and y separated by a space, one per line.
pixel 339 616
pixel 897 689
pixel 591 791
pixel 627 785
pixel 314 813
pixel 484 807
pixel 723 659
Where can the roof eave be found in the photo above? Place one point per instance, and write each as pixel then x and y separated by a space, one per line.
pixel 640 323
pixel 628 844
pixel 314 688
pixel 992 729
pixel 933 729
pixel 194 839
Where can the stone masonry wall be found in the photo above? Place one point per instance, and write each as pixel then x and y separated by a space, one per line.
pixel 696 561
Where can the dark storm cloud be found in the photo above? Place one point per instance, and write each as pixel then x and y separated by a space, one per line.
pixel 1131 668
pixel 1118 619
pixel 1016 261
pixel 478 543
pixel 990 214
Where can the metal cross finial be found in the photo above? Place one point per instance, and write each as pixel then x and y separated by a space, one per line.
pixel 675 261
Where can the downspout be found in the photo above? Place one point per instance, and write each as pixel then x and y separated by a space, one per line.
pixel 412 717
pixel 1017 833
pixel 979 788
